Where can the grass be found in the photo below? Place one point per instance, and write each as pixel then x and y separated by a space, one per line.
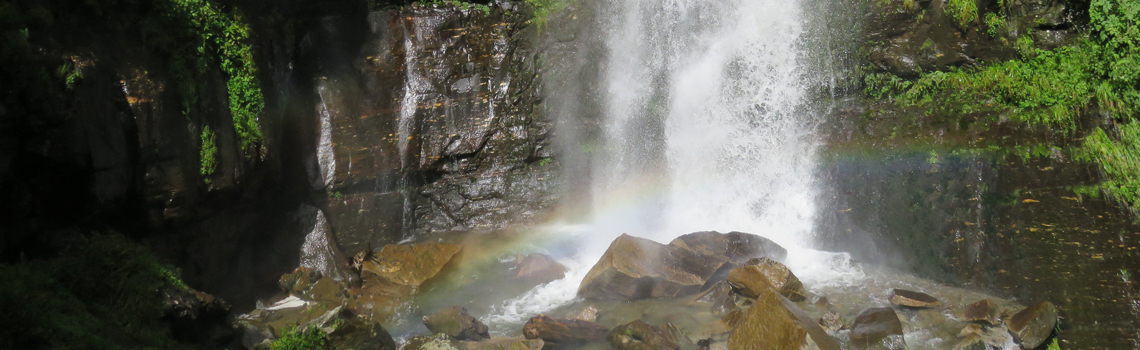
pixel 963 12
pixel 543 9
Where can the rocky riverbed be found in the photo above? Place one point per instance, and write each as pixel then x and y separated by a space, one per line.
pixel 703 290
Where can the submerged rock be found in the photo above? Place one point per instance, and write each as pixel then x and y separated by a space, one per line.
pixel 753 280
pixel 1033 325
pixel 588 314
pixel 539 268
pixel 434 342
pixel 637 268
pixel 903 297
pixel 734 246
pixel 877 328
pixel 409 265
pixel 982 311
pixel 774 322
pixel 719 297
pixel 639 335
pixel 557 332
pixel 457 324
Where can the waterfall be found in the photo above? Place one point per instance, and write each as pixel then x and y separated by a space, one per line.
pixel 703 127
pixel 702 119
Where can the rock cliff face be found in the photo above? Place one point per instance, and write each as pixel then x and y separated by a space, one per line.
pixel 434 127
pixel 390 122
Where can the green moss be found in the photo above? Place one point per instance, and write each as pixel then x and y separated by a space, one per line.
pixel 208 153
pixel 963 12
pixel 543 9
pixel 310 339
pixel 102 292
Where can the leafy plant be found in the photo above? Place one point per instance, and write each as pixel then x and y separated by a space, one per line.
pixel 963 12
pixel 309 339
pixel 208 153
pixel 995 24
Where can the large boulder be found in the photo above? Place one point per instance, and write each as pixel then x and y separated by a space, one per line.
pixel 754 280
pixel 558 332
pixel 877 328
pixel 639 335
pixel 774 322
pixel 457 324
pixel 734 246
pixel 344 329
pixel 538 268
pixel 409 265
pixel 433 342
pixel 503 344
pixel 1033 325
pixel 637 268
pixel 912 299
pixel 357 334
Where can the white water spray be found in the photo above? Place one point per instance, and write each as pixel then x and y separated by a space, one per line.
pixel 703 130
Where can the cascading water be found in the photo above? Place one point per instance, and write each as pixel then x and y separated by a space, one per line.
pixel 703 129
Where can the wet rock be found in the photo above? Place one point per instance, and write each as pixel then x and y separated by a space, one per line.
pixel 409 265
pixel 637 268
pixel 903 297
pixel 197 317
pixel 639 335
pixel 877 328
pixel 320 253
pixel 588 314
pixel 982 311
pixel 378 300
pixel 434 342
pixel 753 280
pixel 457 324
pixel 503 344
pixel 979 337
pixel 557 332
pixel 356 334
pixel 1033 325
pixel 298 281
pixel 539 268
pixel 774 322
pixel 309 284
pixel 719 297
pixel 831 322
pixel 734 246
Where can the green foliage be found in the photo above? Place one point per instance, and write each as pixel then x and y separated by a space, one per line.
pixel 226 38
pixel 310 339
pixel 995 24
pixel 1025 46
pixel 963 12
pixel 485 9
pixel 208 153
pixel 102 292
pixel 884 85
pixel 1119 158
pixel 543 9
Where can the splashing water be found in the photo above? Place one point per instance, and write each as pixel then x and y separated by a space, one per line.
pixel 703 130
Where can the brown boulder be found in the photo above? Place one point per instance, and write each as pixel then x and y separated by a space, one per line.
pixel 637 268
pixel 639 335
pixel 719 298
pixel 588 314
pixel 1033 325
pixel 409 265
pixel 877 328
pixel 558 332
pixel 774 322
pixel 753 280
pixel 982 311
pixel 733 246
pixel 539 268
pixel 456 323
pixel 907 298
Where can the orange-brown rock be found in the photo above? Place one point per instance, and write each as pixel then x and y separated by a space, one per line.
pixel 775 323
pixel 559 332
pixel 637 268
pixel 733 246
pixel 409 265
pixel 982 311
pixel 753 280
pixel 907 298
pixel 1033 325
